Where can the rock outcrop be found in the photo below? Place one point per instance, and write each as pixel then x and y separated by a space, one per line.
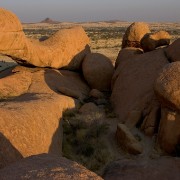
pixel 153 40
pixel 167 88
pixel 133 85
pixel 169 134
pixel 172 52
pixel 66 48
pixel 31 122
pixel 98 70
pixel 126 169
pixel 46 166
pixel 134 33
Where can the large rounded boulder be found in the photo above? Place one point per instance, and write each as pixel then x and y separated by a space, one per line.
pixel 134 33
pixel 98 71
pixel 31 110
pixel 167 89
pixel 167 86
pixel 46 166
pixel 133 80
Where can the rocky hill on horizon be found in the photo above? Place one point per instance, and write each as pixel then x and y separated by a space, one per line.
pixel 50 21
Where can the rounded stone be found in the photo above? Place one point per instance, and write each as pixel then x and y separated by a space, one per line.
pixel 98 71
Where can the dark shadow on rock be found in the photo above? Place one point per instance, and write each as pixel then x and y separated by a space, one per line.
pixel 22 98
pixel 66 83
pixel 165 168
pixel 57 79
pixel 5 65
pixel 6 72
pixel 54 79
pixel 8 153
pixel 43 38
pixel 77 60
pixel 57 140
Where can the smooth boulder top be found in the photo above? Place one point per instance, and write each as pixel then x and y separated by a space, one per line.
pixel 9 22
pixel 134 33
pixel 45 166
pixel 167 86
pixel 98 71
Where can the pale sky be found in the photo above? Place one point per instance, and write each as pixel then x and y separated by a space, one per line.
pixel 95 10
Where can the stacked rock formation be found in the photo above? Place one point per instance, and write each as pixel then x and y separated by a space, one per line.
pixel 30 123
pixel 138 35
pixel 145 96
pixel 145 86
pixel 32 100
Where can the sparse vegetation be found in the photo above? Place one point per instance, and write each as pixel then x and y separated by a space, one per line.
pixel 83 141
pixel 106 37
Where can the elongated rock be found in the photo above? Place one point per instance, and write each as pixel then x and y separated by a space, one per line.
pixel 66 48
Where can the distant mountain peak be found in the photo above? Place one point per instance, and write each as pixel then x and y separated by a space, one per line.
pixel 49 20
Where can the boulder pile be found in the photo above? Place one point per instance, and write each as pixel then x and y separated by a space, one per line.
pixel 145 85
pixel 63 74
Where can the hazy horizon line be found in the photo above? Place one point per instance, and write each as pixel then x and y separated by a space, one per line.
pixel 94 21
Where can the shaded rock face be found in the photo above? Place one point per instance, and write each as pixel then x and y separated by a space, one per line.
pixel 96 94
pixel 89 108
pixel 98 71
pixel 133 84
pixel 169 134
pixel 163 168
pixel 30 122
pixel 46 166
pixel 153 40
pixel 127 141
pixel 134 33
pixel 127 53
pixel 167 86
pixel 66 48
pixel 172 52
